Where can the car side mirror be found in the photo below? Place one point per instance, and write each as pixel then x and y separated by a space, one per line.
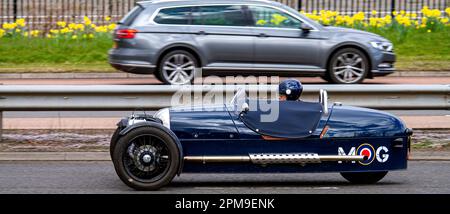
pixel 305 27
pixel 245 108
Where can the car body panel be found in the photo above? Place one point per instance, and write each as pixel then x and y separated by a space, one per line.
pixel 242 50
pixel 219 131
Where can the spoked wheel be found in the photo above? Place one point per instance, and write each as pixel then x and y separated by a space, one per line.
pixel 147 158
pixel 348 66
pixel 177 68
pixel 363 177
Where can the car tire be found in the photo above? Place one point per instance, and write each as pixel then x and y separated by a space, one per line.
pixel 129 157
pixel 177 68
pixel 326 78
pixel 157 76
pixel 348 66
pixel 363 177
pixel 113 143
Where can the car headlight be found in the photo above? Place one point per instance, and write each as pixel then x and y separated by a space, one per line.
pixel 164 116
pixel 383 46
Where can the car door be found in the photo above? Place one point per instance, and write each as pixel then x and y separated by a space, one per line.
pixel 280 43
pixel 223 34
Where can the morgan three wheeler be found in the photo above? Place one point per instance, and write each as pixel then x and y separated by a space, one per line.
pixel 361 144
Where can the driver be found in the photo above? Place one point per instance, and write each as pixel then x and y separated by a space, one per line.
pixel 290 89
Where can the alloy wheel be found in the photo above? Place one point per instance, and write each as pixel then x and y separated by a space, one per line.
pixel 349 67
pixel 178 69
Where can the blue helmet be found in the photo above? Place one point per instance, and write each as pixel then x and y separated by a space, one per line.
pixel 291 88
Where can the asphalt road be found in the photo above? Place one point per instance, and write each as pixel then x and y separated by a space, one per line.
pixel 99 177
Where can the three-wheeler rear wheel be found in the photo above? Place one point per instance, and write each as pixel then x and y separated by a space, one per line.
pixel 147 158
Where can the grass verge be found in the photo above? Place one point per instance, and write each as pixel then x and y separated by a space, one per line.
pixel 416 51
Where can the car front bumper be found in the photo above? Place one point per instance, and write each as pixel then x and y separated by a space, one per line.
pixel 383 64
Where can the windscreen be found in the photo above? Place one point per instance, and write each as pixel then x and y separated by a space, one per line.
pixel 238 100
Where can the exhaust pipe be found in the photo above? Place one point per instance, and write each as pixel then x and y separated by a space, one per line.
pixel 290 158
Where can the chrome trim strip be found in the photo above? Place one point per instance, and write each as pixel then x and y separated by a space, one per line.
pixel 133 65
pixel 217 159
pixel 152 18
pixel 274 158
pixel 384 70
pixel 265 69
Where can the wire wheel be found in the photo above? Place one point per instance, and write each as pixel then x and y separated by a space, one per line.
pixel 147 158
pixel 349 66
pixel 178 68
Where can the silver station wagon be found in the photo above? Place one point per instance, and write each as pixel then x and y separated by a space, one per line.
pixel 174 39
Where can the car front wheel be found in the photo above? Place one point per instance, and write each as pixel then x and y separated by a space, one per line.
pixel 348 66
pixel 363 177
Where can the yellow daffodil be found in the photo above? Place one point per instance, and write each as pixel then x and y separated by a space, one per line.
pixel 65 30
pixel 35 33
pixel 112 27
pixel 61 24
pixel 107 18
pixel 9 26
pixel 374 12
pixel 20 22
pixel 87 21
pixel 277 19
pixel 72 26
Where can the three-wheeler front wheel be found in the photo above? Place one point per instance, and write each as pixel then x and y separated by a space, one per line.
pixel 147 158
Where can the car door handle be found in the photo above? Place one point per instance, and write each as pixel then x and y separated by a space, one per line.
pixel 201 32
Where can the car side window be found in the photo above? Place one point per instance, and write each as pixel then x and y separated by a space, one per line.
pixel 222 15
pixel 178 15
pixel 270 17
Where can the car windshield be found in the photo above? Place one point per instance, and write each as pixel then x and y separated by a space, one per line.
pixel 238 100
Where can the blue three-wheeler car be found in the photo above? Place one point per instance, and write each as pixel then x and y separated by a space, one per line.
pixel 361 144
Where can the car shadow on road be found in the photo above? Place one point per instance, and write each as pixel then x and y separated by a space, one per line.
pixel 280 184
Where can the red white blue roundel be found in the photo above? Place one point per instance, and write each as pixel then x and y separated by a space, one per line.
pixel 368 151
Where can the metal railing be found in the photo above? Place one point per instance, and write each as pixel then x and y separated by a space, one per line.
pixel 122 97
pixel 42 14
pixel 153 97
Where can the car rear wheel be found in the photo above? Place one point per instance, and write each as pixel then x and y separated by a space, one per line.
pixel 348 66
pixel 363 177
pixel 177 68
pixel 147 158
